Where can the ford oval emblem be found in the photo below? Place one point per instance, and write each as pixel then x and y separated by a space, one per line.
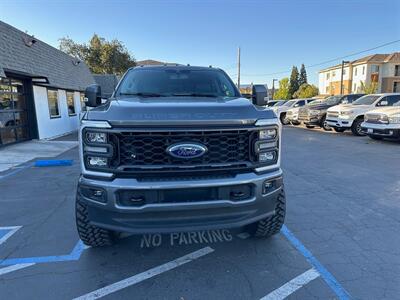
pixel 187 150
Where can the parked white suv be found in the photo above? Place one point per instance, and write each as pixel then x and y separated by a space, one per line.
pixel 281 110
pixel 383 122
pixel 351 116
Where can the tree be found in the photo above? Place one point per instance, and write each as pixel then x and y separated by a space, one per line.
pixel 306 91
pixel 370 88
pixel 100 55
pixel 294 81
pixel 303 75
pixel 283 91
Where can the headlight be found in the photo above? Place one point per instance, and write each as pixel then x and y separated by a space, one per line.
pixel 95 161
pixel 267 134
pixel 267 157
pixel 346 113
pixel 394 119
pixel 96 137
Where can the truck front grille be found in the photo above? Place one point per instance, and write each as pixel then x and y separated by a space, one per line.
pixel 332 114
pixel 146 150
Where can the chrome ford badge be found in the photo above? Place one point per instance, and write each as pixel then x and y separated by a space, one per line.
pixel 187 150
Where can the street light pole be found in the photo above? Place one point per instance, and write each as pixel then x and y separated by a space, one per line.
pixel 238 65
pixel 273 87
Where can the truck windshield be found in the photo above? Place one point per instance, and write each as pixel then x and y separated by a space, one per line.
pixel 167 82
pixel 366 100
pixel 290 103
pixel 332 100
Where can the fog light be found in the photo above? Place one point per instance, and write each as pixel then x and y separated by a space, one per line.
pixel 96 137
pixel 266 156
pixel 97 161
pixel 267 134
pixel 268 186
pixel 95 194
pixel 96 149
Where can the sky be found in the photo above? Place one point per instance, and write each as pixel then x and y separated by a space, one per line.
pixel 273 35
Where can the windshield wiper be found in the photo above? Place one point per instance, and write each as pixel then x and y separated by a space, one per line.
pixel 143 94
pixel 195 95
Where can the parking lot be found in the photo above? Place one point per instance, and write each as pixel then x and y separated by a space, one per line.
pixel 341 238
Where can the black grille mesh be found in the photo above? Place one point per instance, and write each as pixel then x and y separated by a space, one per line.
pixel 149 148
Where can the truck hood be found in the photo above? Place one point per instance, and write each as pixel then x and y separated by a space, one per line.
pixel 126 111
pixel 389 110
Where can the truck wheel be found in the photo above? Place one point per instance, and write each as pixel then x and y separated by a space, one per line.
pixel 310 126
pixel 90 235
pixel 284 121
pixel 337 129
pixel 271 225
pixel 325 125
pixel 356 127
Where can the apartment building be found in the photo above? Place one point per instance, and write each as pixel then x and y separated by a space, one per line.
pixel 383 69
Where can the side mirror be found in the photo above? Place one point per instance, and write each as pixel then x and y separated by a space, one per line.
pixel 296 105
pixel 345 101
pixel 383 103
pixel 93 95
pixel 259 94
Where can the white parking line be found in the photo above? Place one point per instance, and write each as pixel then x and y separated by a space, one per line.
pixel 12 230
pixel 14 268
pixel 146 274
pixel 292 286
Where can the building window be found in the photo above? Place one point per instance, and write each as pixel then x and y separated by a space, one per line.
pixel 397 70
pixel 327 89
pixel 355 88
pixel 396 87
pixel 375 69
pixel 71 104
pixel 333 73
pixel 363 70
pixel 344 71
pixel 327 75
pixel 52 98
pixel 355 71
pixel 83 103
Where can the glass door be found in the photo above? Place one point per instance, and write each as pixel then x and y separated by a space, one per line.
pixel 13 112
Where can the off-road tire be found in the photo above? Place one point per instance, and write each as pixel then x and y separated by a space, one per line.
pixel 339 129
pixel 90 235
pixel 271 225
pixel 356 127
pixel 310 126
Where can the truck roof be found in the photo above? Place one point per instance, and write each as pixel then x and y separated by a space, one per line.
pixel 175 66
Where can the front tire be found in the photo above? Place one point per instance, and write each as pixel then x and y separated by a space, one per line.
pixel 90 235
pixel 310 126
pixel 284 120
pixel 272 225
pixel 325 125
pixel 356 127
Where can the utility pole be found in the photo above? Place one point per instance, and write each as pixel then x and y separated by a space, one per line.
pixel 238 78
pixel 341 76
pixel 273 87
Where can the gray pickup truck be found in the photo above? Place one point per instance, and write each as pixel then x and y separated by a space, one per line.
pixel 176 148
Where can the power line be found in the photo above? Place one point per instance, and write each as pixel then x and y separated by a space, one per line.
pixel 328 61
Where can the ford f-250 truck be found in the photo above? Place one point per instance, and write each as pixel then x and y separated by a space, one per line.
pixel 176 148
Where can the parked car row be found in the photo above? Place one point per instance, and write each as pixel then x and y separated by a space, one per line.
pixel 375 115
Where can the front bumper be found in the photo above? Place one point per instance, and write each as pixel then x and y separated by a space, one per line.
pixel 310 120
pixel 383 130
pixel 339 123
pixel 182 216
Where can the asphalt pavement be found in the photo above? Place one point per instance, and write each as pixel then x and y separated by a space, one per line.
pixel 341 239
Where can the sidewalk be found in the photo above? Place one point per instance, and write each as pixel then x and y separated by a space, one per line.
pixel 14 155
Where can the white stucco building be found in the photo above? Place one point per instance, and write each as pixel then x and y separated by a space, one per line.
pixel 41 88
pixel 384 69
